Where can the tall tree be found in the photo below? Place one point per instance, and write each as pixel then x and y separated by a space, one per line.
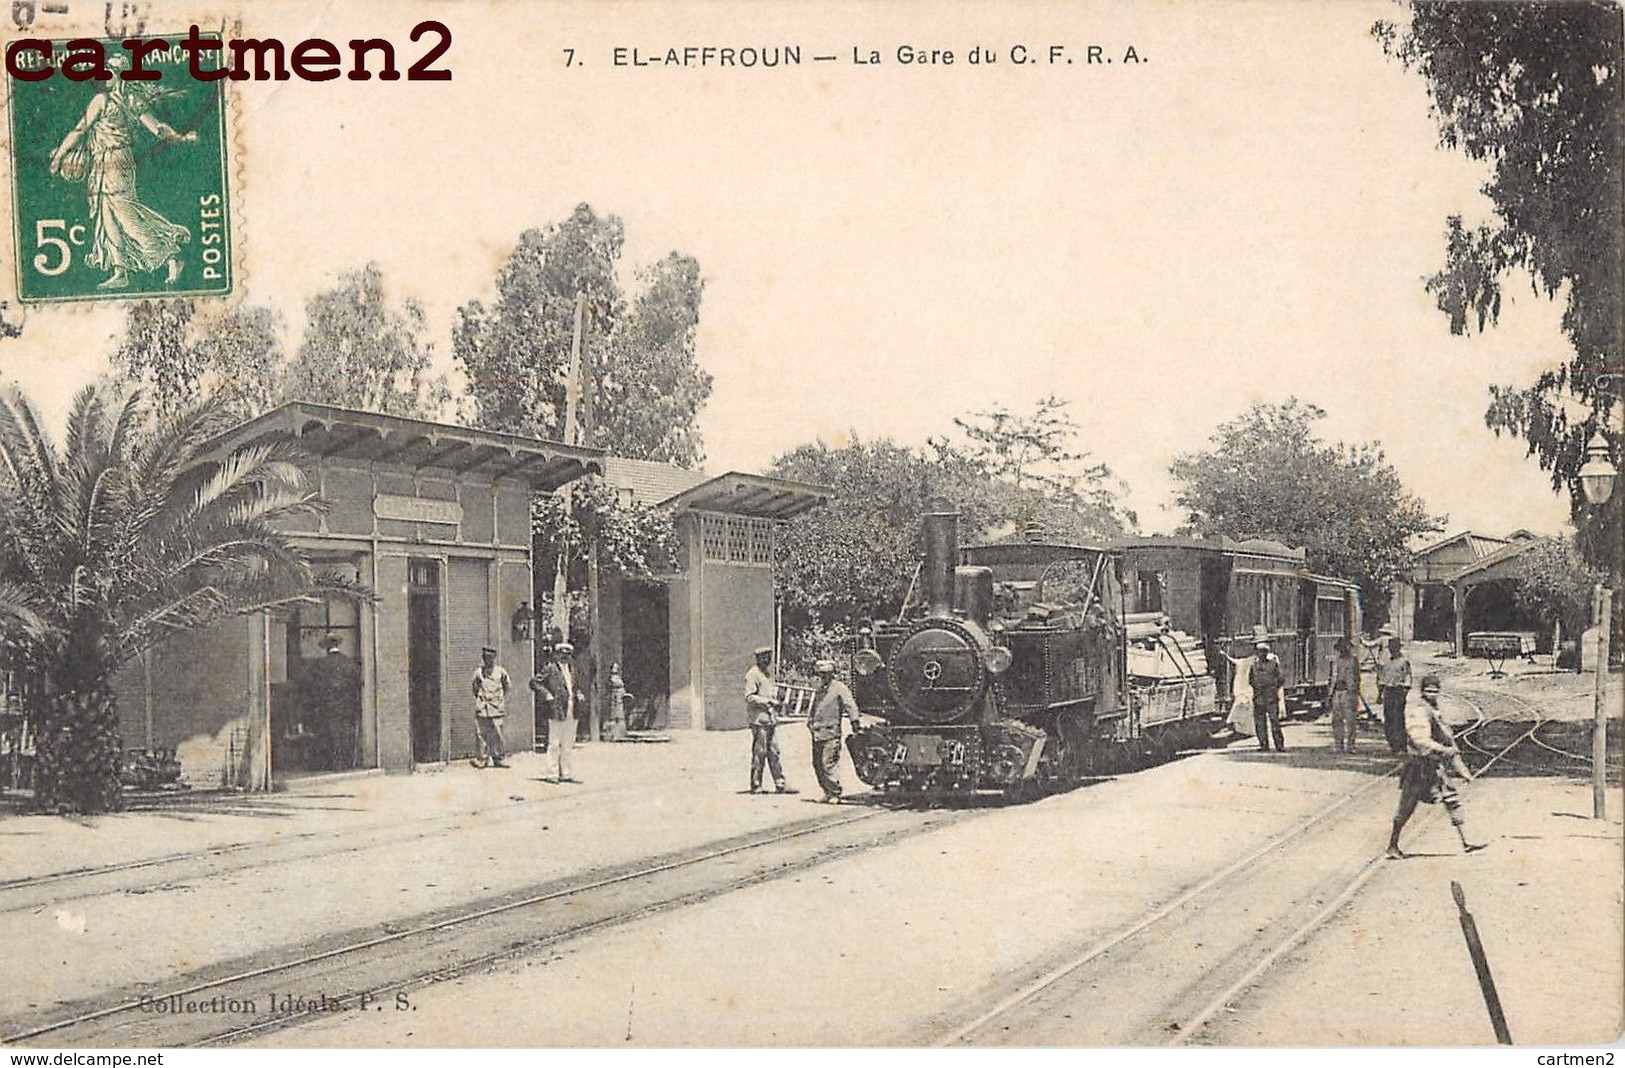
pixel 175 351
pixel 642 385
pixel 114 540
pixel 1534 90
pixel 361 350
pixel 1266 474
pixel 648 389
pixel 1047 482
pixel 516 353
pixel 1555 584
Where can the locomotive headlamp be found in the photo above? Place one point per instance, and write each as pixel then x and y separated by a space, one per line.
pixel 998 659
pixel 867 662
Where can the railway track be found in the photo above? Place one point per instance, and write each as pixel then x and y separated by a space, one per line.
pixel 1209 945
pixel 1520 738
pixel 1204 946
pixel 364 970
pixel 27 893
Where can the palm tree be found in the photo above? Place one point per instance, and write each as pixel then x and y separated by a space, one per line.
pixel 127 534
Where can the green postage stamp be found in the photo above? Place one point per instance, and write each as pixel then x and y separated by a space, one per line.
pixel 120 187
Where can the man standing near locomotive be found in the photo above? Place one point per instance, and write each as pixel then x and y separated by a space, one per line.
pixel 1394 680
pixel 1267 678
pixel 831 701
pixel 556 688
pixel 1424 778
pixel 491 685
pixel 761 712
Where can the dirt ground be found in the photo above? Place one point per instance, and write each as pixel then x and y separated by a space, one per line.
pixel 786 963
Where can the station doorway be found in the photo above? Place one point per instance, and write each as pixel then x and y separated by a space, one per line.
pixel 646 654
pixel 423 654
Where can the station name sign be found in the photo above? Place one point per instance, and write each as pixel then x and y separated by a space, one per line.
pixel 417 509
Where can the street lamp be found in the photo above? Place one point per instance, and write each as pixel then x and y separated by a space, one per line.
pixel 1597 478
pixel 1597 474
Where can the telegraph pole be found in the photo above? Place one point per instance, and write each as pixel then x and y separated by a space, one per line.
pixel 572 399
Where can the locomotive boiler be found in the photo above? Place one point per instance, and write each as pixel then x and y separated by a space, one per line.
pixel 1012 680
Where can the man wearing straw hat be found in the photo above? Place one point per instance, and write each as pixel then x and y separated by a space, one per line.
pixel 1267 678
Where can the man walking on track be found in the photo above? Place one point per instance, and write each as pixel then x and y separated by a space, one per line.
pixel 831 701
pixel 1424 778
pixel 761 712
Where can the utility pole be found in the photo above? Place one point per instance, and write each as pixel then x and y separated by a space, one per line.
pixel 572 399
pixel 1603 599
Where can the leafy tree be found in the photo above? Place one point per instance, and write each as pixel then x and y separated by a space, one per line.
pixel 361 351
pixel 175 351
pixel 857 558
pixel 1267 475
pixel 116 539
pixel 633 540
pixel 1554 583
pixel 516 353
pixel 1534 90
pixel 649 388
pixel 643 388
pixel 8 328
pixel 1041 479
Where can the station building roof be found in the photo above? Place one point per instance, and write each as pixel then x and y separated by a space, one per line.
pixel 328 432
pixel 762 496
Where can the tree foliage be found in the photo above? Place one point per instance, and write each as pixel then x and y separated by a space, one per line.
pixel 116 539
pixel 1266 474
pixel 1040 480
pixel 649 388
pixel 1534 90
pixel 175 351
pixel 632 539
pixel 361 350
pixel 1018 476
pixel 1555 584
pixel 643 387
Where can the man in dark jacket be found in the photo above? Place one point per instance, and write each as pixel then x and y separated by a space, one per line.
pixel 1267 678
pixel 555 687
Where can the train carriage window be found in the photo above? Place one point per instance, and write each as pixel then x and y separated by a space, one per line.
pixel 1148 587
pixel 1329 616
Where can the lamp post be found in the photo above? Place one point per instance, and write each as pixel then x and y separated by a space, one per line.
pixel 1597 478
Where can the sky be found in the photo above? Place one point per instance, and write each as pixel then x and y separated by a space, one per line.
pixel 1246 214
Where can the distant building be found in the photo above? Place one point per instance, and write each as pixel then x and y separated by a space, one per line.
pixel 1462 584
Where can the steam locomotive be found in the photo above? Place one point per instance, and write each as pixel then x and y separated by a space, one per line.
pixel 1015 678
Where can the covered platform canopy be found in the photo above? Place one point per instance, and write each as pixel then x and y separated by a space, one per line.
pixel 761 496
pixel 323 431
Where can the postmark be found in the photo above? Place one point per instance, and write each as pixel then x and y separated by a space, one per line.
pixel 120 188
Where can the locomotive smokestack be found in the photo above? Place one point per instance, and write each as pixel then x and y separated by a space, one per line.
pixel 941 533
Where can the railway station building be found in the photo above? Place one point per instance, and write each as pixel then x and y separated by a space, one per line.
pixel 683 640
pixel 435 520
pixel 1461 584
